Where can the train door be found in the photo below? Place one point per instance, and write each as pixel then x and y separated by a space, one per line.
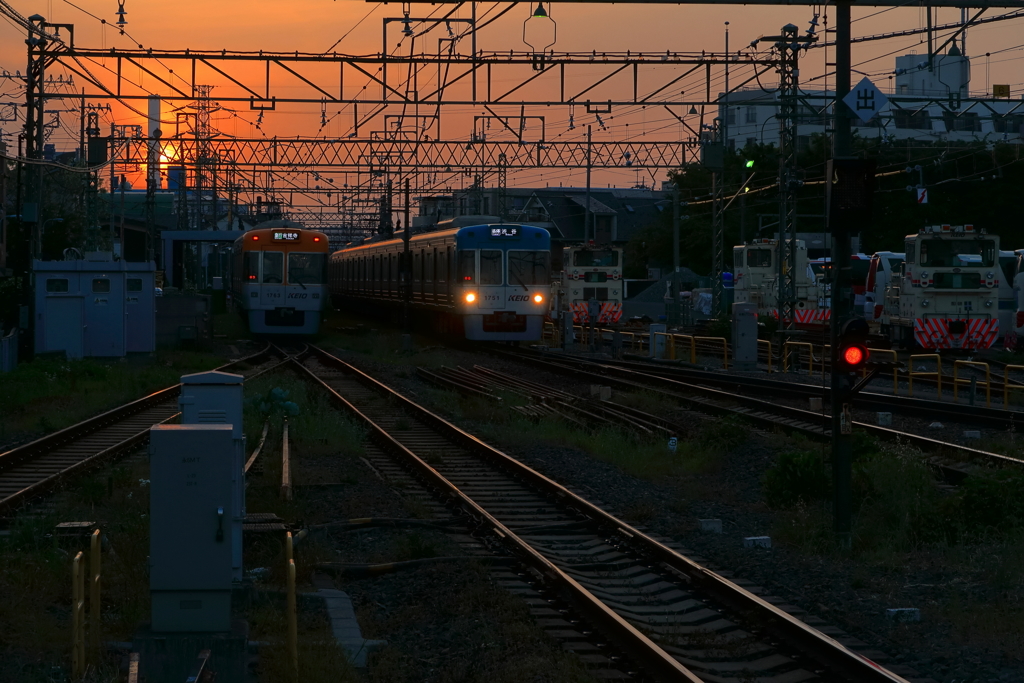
pixel 492 278
pixel 272 280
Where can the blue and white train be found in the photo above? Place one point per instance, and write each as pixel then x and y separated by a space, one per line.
pixel 479 282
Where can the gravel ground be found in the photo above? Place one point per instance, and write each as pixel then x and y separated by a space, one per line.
pixel 971 613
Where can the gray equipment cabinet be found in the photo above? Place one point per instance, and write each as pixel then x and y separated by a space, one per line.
pixel 744 336
pixel 190 547
pixel 216 398
pixel 98 308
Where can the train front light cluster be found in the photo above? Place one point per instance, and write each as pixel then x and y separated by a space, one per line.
pixel 470 297
pixel 538 298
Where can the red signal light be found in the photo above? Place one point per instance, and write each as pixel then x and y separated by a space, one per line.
pixel 853 355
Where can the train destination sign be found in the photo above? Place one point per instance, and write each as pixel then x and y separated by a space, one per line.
pixel 505 231
pixel 286 235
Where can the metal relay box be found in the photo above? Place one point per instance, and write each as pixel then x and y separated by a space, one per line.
pixel 191 535
pixel 216 398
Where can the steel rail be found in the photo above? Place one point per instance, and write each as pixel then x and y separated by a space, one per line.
pixel 644 651
pixel 14 458
pixel 910 405
pixel 805 421
pixel 807 639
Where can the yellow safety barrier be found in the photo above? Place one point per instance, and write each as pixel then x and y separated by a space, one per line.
pixel 94 593
pixel 693 345
pixel 669 343
pixel 972 364
pixel 769 344
pixel 797 346
pixel 937 374
pixel 725 348
pixel 78 616
pixel 895 359
pixel 1006 383
pixel 293 631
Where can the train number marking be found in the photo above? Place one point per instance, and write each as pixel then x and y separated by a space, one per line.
pixel 491 297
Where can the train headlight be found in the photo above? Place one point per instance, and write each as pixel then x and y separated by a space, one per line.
pixel 988 304
pixel 989 275
pixel 924 303
pixel 538 298
pixel 470 298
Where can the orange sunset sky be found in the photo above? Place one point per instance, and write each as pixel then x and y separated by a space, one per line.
pixel 314 25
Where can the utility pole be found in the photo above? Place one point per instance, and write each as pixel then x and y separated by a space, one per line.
pixel 590 162
pixel 675 254
pixel 31 210
pixel 407 266
pixel 842 290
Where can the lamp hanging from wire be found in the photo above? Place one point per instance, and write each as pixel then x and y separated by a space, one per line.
pixel 539 27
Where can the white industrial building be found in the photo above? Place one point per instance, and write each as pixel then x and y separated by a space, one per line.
pixel 926 103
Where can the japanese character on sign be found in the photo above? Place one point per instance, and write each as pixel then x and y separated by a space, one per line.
pixel 866 100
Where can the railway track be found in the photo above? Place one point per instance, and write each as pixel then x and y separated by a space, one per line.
pixel 674 618
pixel 35 468
pixel 724 399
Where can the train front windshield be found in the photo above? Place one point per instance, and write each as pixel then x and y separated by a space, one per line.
pixel 596 258
pixel 307 269
pixel 529 267
pixel 948 253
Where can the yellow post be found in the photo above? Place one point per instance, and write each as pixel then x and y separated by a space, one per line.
pixel 924 373
pixel 977 364
pixel 77 608
pixel 94 594
pixel 895 359
pixel 725 348
pixel 1006 384
pixel 293 629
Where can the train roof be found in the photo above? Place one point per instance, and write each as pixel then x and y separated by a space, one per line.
pixel 465 231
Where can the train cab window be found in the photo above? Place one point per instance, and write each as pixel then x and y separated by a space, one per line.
pixel 910 249
pixel 596 258
pixel 251 266
pixel 759 258
pixel 306 269
pixel 968 252
pixel 467 266
pixel 101 285
pixel 134 284
pixel 737 258
pixel 57 284
pixel 490 267
pixel 529 267
pixel 273 267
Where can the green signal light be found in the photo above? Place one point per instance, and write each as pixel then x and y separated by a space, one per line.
pixel 750 163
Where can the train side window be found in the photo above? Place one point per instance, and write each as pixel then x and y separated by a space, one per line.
pixel 737 258
pixel 909 248
pixel 273 267
pixel 134 284
pixel 490 267
pixel 101 285
pixel 57 284
pixel 467 266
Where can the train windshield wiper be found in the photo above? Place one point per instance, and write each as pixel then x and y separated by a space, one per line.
pixel 298 282
pixel 523 284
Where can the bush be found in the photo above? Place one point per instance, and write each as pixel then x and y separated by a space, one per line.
pixel 797 477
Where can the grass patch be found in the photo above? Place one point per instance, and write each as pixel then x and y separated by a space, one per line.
pixel 48 394
pixel 318 429
pixel 321 659
pixel 35 575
